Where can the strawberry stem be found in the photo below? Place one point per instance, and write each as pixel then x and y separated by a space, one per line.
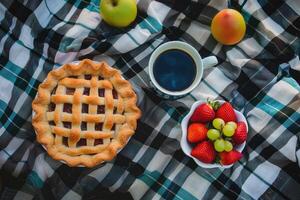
pixel 214 104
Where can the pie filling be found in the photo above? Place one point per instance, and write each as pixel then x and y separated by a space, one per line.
pixel 67 108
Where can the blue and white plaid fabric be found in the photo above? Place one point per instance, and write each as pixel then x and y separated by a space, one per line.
pixel 259 76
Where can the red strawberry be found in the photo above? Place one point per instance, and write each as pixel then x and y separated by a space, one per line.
pixel 196 132
pixel 240 134
pixel 228 158
pixel 204 151
pixel 203 113
pixel 226 112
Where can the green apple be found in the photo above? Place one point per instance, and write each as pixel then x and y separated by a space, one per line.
pixel 119 13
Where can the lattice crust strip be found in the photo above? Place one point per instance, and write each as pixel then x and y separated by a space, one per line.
pixel 84 113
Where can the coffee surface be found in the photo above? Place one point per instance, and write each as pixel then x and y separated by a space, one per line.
pixel 174 70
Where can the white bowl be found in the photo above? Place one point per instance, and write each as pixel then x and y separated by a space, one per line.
pixel 187 147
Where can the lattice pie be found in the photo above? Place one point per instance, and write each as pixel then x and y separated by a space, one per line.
pixel 84 113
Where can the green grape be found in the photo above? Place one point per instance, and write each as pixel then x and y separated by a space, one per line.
pixel 213 134
pixel 232 124
pixel 228 130
pixel 219 145
pixel 227 146
pixel 218 123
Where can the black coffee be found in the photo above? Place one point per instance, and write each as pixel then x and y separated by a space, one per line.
pixel 174 70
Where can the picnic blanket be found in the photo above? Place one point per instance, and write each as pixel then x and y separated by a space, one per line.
pixel 258 76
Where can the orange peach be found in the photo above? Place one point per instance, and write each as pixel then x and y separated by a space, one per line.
pixel 228 27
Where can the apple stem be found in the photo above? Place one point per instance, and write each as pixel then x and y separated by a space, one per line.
pixel 114 2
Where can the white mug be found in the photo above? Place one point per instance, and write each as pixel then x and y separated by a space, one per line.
pixel 200 63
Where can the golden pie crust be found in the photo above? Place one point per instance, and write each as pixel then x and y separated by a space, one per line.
pixel 84 113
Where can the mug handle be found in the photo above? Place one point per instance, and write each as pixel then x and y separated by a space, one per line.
pixel 209 61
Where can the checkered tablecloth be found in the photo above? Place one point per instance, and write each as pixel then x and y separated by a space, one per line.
pixel 258 76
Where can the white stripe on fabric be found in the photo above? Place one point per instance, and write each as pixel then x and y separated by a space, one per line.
pixel 189 100
pixel 252 6
pixel 267 171
pixel 89 19
pixel 2 11
pixel 23 196
pixel 89 50
pixel 298 157
pixel 20 103
pixel 124 44
pixel 119 182
pixel 283 92
pixel 218 80
pixel 236 173
pixel 18 169
pixel 294 4
pixel 272 27
pixel 144 54
pixel 175 172
pixel 71 195
pixel 278 110
pixel 3 158
pixel 158 123
pixel 55 5
pixel 140 153
pixel 157 196
pixel 42 14
pixel 250 186
pixel 219 196
pixel 138 189
pixel 276 134
pixel 78 33
pixel 159 162
pixel 289 149
pixel 2 42
pixel 19 55
pixel 175 133
pixel 64 58
pixel 199 32
pixel 158 10
pixel 217 49
pixel 258 119
pixel 251 47
pixel 42 168
pixel 2 129
pixel 14 19
pixel 57 26
pixel 38 70
pixel 70 14
pixel 179 19
pixel 139 34
pixel 101 172
pixel 13 145
pixel 202 92
pixel 236 57
pixel 218 4
pixel 252 156
pixel 196 185
pixel 295 63
pixel 20 165
pixel 6 86
pixel 26 37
